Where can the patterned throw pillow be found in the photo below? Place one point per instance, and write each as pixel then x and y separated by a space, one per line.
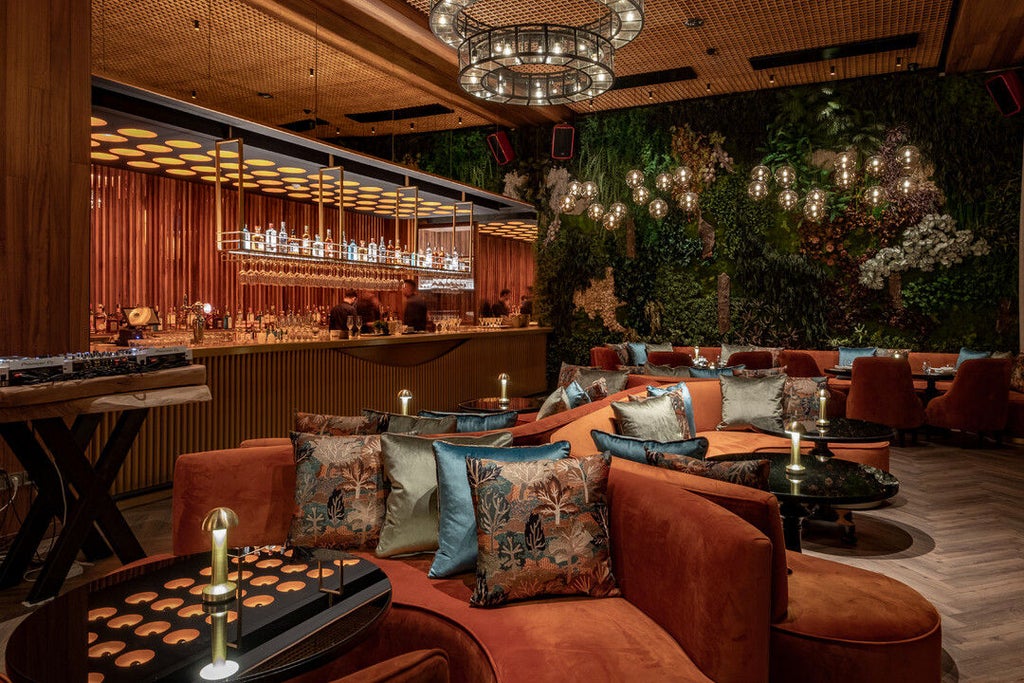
pixel 620 351
pixel 339 492
pixel 541 529
pixel 615 379
pixel 567 374
pixel 337 425
pixel 597 389
pixel 1017 374
pixel 762 372
pixel 752 473
pixel 800 397
pixel 412 424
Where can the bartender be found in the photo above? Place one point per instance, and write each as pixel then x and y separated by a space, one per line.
pixel 415 313
pixel 341 312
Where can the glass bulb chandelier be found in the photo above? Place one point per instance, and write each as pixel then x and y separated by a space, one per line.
pixel 536 63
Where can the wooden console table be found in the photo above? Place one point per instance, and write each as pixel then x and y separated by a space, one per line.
pixel 33 422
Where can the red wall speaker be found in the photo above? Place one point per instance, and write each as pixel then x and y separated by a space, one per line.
pixel 563 140
pixel 501 148
pixel 1007 91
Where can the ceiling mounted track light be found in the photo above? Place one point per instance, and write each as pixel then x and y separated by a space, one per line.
pixel 536 63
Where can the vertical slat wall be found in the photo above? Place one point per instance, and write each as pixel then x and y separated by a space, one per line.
pixel 502 263
pixel 256 394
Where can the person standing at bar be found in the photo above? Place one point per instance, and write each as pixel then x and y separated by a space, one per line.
pixel 368 308
pixel 526 305
pixel 500 308
pixel 341 312
pixel 415 313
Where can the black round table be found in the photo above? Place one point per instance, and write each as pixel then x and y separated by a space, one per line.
pixel 832 482
pixel 930 378
pixel 492 404
pixel 839 430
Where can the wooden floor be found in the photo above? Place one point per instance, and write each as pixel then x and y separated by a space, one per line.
pixel 955 533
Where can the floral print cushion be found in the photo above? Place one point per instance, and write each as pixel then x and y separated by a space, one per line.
pixel 762 372
pixel 542 529
pixel 337 425
pixel 1017 374
pixel 800 397
pixel 752 473
pixel 597 389
pixel 340 491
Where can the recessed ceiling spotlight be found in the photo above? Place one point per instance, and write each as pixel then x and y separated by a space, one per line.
pixel 832 70
pixel 899 62
pixel 708 87
pixel 195 24
pixel 312 72
pixel 694 22
pixel 460 120
pixel 194 94
pixel 373 130
pixel 650 94
pixel 771 78
pixel 412 126
pixel 265 95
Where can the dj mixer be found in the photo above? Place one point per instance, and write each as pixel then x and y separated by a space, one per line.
pixel 20 371
pixel 154 627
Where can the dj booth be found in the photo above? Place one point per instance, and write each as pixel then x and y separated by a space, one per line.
pixel 38 399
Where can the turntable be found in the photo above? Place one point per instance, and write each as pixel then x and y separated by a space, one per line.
pixel 138 319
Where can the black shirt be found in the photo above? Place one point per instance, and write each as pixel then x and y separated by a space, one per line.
pixel 499 309
pixel 369 312
pixel 339 315
pixel 415 313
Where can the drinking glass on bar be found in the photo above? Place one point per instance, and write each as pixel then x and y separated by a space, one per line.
pixel 349 322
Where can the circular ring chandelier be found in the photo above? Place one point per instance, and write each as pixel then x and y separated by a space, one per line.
pixel 537 63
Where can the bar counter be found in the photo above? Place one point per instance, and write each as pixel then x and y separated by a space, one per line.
pixel 257 388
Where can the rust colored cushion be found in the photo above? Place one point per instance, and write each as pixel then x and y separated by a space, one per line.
pixel 752 360
pixel 542 529
pixel 799 364
pixel 670 358
pixel 339 492
pixel 752 473
pixel 421 666
pixel 337 425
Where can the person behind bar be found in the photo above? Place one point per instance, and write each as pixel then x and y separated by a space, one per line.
pixel 500 307
pixel 415 313
pixel 368 308
pixel 526 305
pixel 341 312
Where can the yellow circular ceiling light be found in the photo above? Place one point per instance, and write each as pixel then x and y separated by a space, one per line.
pixel 371 188
pixel 269 182
pixel 143 164
pixel 184 144
pixel 292 170
pixel 194 157
pixel 234 176
pixel 108 137
pixel 265 174
pixel 127 152
pixel 224 153
pixel 94 143
pixel 213 178
pixel 274 190
pixel 250 186
pixel 299 195
pixel 351 183
pixel 104 156
pixel 259 162
pixel 205 169
pixel 179 171
pixel 366 196
pixel 169 161
pixel 136 132
pixel 96 121
pixel 154 149
pixel 295 179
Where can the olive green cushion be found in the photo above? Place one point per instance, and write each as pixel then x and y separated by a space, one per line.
pixel 654 419
pixel 410 516
pixel 744 398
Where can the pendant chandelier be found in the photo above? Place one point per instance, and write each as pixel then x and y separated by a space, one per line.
pixel 536 63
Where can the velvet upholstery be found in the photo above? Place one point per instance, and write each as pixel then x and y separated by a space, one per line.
pixel 752 360
pixel 671 358
pixel 882 390
pixel 420 666
pixel 605 358
pixel 799 364
pixel 977 400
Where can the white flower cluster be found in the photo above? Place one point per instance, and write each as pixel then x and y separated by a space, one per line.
pixel 514 184
pixel 933 242
pixel 557 181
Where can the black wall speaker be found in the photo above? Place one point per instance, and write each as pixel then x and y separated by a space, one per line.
pixel 1007 91
pixel 501 148
pixel 563 140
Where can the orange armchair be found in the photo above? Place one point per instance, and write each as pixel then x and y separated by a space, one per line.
pixel 752 360
pixel 604 357
pixel 882 390
pixel 673 358
pixel 977 401
pixel 799 364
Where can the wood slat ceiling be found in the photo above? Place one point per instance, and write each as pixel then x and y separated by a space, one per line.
pixel 373 55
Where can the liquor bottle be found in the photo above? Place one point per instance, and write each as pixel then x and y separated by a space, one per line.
pixel 244 242
pixel 361 253
pixel 99 321
pixel 343 247
pixel 318 247
pixel 438 258
pixel 382 253
pixel 397 257
pixel 455 259
pixel 172 319
pixel 371 252
pixel 389 253
pixel 307 244
pixel 282 240
pixel 271 237
pixel 353 250
pixel 114 319
pixel 329 246
pixel 428 262
pixel 257 241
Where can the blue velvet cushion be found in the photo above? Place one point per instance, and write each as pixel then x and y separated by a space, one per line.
pixel 848 353
pixel 970 354
pixel 711 373
pixel 577 395
pixel 456 542
pixel 632 448
pixel 637 352
pixel 477 422
pixel 687 401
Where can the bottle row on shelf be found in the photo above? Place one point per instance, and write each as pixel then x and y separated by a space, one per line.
pixel 272 241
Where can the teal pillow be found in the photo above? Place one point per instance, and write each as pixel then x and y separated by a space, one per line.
pixel 710 373
pixel 637 352
pixel 970 354
pixel 477 422
pixel 456 541
pixel 576 395
pixel 632 448
pixel 687 400
pixel 848 353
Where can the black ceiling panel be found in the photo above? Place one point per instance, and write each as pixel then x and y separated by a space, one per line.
pixel 904 41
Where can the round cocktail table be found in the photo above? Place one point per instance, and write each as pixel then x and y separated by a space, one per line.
pixel 146 622
pixel 832 481
pixel 492 404
pixel 839 430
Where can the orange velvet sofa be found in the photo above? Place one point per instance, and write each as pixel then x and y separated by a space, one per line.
pixel 677 619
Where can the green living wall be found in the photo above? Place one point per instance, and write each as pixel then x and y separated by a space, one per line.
pixel 745 271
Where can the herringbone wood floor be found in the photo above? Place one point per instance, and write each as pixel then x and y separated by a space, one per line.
pixel 955 533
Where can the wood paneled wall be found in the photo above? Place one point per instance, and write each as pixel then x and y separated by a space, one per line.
pixel 44 175
pixel 153 242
